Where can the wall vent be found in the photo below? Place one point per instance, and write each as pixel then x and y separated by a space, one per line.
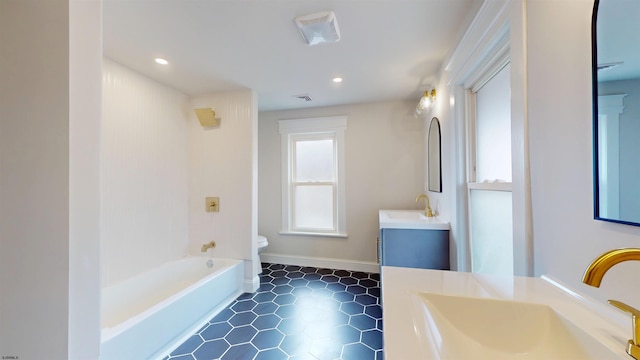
pixel 305 97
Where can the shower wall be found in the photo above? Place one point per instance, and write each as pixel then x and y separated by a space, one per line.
pixel 144 174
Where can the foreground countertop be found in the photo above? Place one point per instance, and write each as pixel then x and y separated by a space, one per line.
pixel 404 337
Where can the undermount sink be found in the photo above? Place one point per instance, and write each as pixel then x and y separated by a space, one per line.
pixel 410 219
pixel 460 327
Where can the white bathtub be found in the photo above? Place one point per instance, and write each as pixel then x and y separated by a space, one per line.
pixel 145 316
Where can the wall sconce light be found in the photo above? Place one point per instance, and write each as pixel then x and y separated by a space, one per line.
pixel 426 102
pixel 207 117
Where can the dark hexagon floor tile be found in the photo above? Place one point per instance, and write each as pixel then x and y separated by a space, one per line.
pixel 295 275
pixel 351 308
pixel 362 322
pixel 343 296
pixel 322 293
pixel 241 335
pixel 368 283
pixel 267 339
pixel 244 351
pixel 312 276
pixel 278 274
pixel 317 284
pixel 336 287
pixel 374 292
pixel 297 283
pixel 243 318
pixel 244 305
pixel 348 280
pixel 292 268
pixel 211 349
pixel 356 289
pixel 280 281
pixel 329 278
pixel 285 299
pixel 308 270
pixel 282 289
pixel 357 352
pixel 324 271
pixel 216 331
pixel 268 321
pixel 365 299
pixel 276 266
pixel 341 273
pixel 373 339
pixel 264 297
pixel 287 311
pixel 375 311
pixel 379 355
pixel 360 275
pixel 374 276
pixel 265 308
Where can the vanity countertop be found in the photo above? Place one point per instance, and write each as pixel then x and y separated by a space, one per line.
pixel 408 334
pixel 410 219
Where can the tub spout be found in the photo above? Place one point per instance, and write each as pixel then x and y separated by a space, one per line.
pixel 207 246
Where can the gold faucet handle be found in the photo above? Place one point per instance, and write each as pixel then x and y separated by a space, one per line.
pixel 632 346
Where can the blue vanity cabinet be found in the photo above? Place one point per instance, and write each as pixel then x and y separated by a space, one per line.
pixel 414 248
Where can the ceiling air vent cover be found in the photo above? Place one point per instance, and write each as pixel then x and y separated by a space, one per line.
pixel 319 27
pixel 304 97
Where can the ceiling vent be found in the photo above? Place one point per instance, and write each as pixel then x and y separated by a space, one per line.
pixel 319 27
pixel 304 97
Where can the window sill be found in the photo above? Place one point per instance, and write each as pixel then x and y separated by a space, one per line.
pixel 299 233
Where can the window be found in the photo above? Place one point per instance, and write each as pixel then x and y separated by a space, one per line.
pixel 489 185
pixel 313 196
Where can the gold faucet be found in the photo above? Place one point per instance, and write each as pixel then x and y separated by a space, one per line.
pixel 427 209
pixel 207 246
pixel 593 276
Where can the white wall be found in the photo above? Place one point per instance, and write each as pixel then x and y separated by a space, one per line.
pixel 144 174
pixel 49 202
pixel 222 162
pixel 384 170
pixel 566 236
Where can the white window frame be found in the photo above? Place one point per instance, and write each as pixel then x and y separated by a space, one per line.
pixel 296 129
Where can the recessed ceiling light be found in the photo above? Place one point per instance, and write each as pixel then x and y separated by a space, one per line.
pixel 337 79
pixel 161 61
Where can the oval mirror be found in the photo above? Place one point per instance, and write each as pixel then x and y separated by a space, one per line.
pixel 616 110
pixel 435 166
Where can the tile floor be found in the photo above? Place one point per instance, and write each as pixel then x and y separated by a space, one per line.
pixel 298 313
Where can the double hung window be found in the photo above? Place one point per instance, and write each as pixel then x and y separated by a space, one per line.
pixel 313 201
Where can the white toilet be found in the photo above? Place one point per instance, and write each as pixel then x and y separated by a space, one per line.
pixel 262 243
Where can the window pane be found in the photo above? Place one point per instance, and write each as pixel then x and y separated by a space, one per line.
pixel 491 232
pixel 313 207
pixel 315 160
pixel 493 129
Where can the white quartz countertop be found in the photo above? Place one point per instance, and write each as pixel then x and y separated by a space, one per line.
pixel 405 336
pixel 410 219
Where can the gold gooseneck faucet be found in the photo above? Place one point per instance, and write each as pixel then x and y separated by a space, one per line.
pixel 427 208
pixel 593 276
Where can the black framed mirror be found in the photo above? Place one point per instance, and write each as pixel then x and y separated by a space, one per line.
pixel 615 33
pixel 435 158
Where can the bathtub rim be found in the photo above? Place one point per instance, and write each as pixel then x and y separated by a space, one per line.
pixel 108 333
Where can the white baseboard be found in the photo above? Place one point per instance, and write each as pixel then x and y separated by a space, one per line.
pixel 351 265
pixel 250 286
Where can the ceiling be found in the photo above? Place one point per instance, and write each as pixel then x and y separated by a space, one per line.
pixel 389 49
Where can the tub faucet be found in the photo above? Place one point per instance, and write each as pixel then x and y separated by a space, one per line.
pixel 427 208
pixel 207 246
pixel 593 276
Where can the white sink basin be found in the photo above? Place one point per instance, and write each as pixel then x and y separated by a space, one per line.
pixel 460 327
pixel 410 219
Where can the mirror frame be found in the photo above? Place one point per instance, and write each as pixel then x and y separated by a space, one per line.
pixel 431 174
pixel 594 79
